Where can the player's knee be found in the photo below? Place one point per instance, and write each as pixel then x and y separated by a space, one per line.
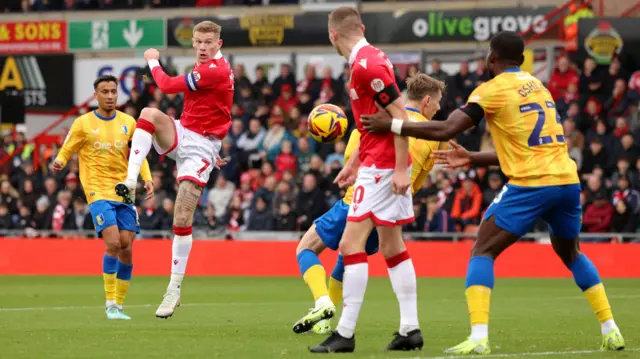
pixel 151 114
pixel 113 246
pixel 181 219
pixel 484 249
pixel 310 241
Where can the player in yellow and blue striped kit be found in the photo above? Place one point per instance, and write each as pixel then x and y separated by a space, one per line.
pixel 543 183
pixel 424 94
pixel 101 138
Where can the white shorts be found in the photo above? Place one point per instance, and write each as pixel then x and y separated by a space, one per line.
pixel 195 154
pixel 373 198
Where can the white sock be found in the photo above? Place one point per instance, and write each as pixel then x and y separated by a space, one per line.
pixel 110 303
pixel 322 301
pixel 403 281
pixel 479 331
pixel 608 326
pixel 354 285
pixel 180 255
pixel 140 147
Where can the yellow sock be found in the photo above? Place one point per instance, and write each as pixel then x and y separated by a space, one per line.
pixel 316 279
pixel 597 297
pixel 335 290
pixel 109 285
pixel 478 302
pixel 122 288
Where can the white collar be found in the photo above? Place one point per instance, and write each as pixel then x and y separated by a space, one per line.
pixel 354 52
pixel 218 55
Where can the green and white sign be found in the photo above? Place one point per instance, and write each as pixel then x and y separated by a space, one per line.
pixel 98 35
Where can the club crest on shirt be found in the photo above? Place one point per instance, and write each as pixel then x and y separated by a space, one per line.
pixel 196 76
pixel 125 130
pixel 377 85
pixel 100 219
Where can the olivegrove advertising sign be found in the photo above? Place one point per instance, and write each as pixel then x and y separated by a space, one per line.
pixel 463 25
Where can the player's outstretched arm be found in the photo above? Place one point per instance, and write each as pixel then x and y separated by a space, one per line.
pixel 458 122
pixel 458 156
pixel 72 143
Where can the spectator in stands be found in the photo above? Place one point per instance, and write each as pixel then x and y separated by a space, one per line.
pixel 9 196
pixel 285 219
pixel 467 203
pixel 286 160
pixel 591 79
pixel 150 217
pixel 135 101
pixel 286 77
pixel 166 214
pixel 437 218
pixel 495 186
pixel 310 84
pixel 481 75
pixel 594 157
pixel 261 218
pixel 260 82
pixel 287 100
pixel 616 72
pixel 628 147
pixel 624 169
pixel 266 192
pixel 624 221
pixel 437 72
pixel 563 75
pixel 81 214
pixel 63 218
pixel 463 83
pixel 5 217
pixel 249 143
pixel 237 214
pixel 597 217
pixel 42 214
pixel 311 202
pixel 272 142
pixel 220 196
pixel 241 81
pixel 617 103
pixel 28 196
pixel 73 186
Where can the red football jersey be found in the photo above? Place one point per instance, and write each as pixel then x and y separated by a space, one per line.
pixel 208 95
pixel 371 72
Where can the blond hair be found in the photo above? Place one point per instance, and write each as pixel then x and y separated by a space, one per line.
pixel 421 85
pixel 345 19
pixel 208 26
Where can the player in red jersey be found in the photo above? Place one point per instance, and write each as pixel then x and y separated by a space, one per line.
pixel 194 141
pixel 381 197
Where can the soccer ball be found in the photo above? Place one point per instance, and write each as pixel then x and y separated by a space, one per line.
pixel 327 123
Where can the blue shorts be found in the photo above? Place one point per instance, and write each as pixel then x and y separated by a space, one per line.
pixel 110 213
pixel 330 227
pixel 516 209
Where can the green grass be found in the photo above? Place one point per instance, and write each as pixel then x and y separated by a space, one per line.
pixel 62 317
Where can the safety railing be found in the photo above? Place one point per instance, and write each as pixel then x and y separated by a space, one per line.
pixel 222 234
pixel 531 35
pixel 72 112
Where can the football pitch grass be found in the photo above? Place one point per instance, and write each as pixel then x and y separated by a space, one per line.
pixel 240 317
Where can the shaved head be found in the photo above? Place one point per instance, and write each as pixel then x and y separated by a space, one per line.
pixel 346 21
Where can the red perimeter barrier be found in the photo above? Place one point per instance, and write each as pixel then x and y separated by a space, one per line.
pixel 277 258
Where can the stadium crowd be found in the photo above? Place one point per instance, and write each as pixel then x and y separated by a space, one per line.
pixel 279 178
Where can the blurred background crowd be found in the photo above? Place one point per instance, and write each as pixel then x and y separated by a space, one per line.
pixel 279 179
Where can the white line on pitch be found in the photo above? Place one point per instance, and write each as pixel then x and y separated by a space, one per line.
pixel 80 307
pixel 530 354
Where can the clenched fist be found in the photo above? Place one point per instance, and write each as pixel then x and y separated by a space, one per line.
pixel 151 54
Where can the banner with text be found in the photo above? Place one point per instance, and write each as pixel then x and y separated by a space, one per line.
pixel 116 34
pixel 45 81
pixel 310 29
pixel 604 38
pixel 33 37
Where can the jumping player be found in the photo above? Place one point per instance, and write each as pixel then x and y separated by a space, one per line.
pixel 381 195
pixel 101 138
pixel 424 94
pixel 194 141
pixel 543 183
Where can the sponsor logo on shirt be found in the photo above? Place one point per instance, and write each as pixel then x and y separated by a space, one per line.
pixel 377 85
